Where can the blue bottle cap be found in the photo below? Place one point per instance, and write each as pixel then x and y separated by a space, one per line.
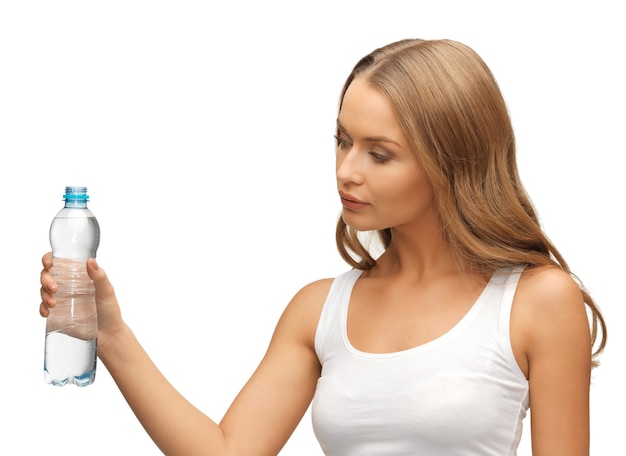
pixel 76 194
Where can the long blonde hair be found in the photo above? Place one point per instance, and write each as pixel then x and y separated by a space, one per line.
pixel 451 110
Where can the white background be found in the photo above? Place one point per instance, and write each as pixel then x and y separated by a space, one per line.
pixel 204 133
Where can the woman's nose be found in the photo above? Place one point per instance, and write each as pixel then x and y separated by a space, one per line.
pixel 348 167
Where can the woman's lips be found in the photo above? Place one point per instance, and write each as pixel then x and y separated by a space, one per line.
pixel 351 202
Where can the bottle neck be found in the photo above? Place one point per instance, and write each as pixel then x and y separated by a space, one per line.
pixel 76 204
pixel 76 197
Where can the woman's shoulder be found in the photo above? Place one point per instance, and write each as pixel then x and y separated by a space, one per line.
pixel 548 309
pixel 302 314
pixel 306 305
pixel 314 293
pixel 548 285
pixel 316 287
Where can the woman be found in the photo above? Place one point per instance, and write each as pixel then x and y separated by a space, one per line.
pixel 439 345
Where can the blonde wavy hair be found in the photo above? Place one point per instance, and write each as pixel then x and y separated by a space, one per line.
pixel 451 110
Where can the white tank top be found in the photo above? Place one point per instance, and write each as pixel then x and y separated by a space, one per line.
pixel 461 394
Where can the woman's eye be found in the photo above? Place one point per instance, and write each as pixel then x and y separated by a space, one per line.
pixel 378 158
pixel 342 143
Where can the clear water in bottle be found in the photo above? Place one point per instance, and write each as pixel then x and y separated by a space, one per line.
pixel 71 328
pixel 69 360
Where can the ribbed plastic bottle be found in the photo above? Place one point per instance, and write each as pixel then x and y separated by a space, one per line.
pixel 72 326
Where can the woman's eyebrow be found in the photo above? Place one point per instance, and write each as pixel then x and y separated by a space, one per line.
pixel 369 138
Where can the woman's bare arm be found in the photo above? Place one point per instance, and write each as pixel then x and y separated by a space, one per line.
pixel 550 320
pixel 262 416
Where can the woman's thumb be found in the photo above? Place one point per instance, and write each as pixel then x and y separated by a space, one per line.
pixel 104 288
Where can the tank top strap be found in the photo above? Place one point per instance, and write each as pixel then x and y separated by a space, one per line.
pixel 507 280
pixel 329 331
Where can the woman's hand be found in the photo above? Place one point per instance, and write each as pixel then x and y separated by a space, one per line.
pixel 109 315
pixel 48 287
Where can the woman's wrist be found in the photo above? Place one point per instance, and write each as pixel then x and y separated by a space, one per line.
pixel 114 343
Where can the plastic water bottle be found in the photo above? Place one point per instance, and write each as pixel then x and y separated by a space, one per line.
pixel 72 326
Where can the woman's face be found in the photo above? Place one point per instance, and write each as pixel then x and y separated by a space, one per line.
pixel 380 182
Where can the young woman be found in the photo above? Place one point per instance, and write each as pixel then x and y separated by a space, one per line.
pixel 439 345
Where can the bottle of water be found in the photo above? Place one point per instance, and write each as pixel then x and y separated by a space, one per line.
pixel 72 326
